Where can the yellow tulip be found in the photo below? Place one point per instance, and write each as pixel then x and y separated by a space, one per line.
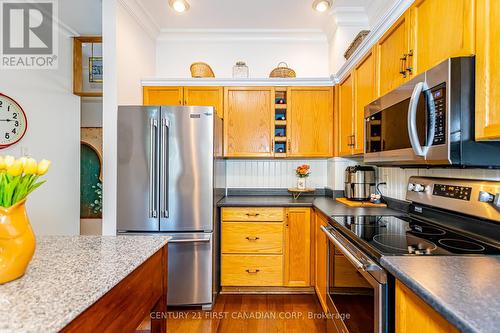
pixel 30 166
pixel 15 169
pixel 2 163
pixel 23 160
pixel 43 167
pixel 9 161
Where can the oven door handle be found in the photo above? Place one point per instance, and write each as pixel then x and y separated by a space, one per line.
pixel 412 119
pixel 351 257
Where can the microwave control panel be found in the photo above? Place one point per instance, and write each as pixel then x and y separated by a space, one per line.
pixel 440 105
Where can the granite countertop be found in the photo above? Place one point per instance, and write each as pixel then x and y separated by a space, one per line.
pixel 327 205
pixel 463 289
pixel 67 275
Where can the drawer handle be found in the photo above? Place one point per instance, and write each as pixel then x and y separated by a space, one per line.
pixel 253 214
pixel 252 238
pixel 253 271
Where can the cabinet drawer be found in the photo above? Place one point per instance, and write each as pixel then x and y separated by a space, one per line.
pixel 256 270
pixel 253 214
pixel 250 237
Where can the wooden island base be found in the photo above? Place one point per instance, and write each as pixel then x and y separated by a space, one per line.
pixel 142 293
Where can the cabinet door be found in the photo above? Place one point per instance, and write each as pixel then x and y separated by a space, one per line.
pixel 248 121
pixel 298 249
pixel 205 96
pixel 413 315
pixel 440 29
pixel 364 93
pixel 321 251
pixel 487 69
pixel 310 122
pixel 162 95
pixel 391 51
pixel 345 116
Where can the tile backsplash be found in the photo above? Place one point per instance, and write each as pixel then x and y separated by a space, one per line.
pixel 273 173
pixel 330 173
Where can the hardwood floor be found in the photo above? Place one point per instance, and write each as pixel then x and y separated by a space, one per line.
pixel 250 313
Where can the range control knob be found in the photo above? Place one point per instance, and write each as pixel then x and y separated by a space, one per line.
pixel 488 197
pixel 419 188
pixel 411 187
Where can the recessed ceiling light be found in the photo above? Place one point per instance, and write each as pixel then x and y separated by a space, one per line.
pixel 179 6
pixel 322 5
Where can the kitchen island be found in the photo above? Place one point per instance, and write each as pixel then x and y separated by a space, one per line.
pixel 88 283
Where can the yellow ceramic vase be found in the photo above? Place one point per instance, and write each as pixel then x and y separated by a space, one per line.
pixel 17 242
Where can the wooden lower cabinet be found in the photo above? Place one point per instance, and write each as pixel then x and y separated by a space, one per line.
pixel 413 315
pixel 298 247
pixel 252 270
pixel 321 257
pixel 265 247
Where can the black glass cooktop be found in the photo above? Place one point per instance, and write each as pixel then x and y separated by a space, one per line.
pixel 391 235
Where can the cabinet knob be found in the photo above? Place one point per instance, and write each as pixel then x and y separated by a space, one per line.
pixel 252 271
pixel 252 238
pixel 253 214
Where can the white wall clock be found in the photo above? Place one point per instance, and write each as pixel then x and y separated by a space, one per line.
pixel 13 122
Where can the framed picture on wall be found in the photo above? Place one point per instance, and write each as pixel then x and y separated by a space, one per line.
pixel 95 69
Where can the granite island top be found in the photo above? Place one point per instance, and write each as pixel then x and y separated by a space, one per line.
pixel 67 275
pixel 327 205
pixel 463 289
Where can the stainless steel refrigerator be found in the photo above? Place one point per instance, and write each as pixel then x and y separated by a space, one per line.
pixel 170 177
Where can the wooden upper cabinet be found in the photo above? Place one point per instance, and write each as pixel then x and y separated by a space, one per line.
pixel 345 115
pixel 163 95
pixel 364 93
pixel 205 96
pixel 487 69
pixel 440 29
pixel 310 122
pixel 298 247
pixel 248 121
pixel 413 315
pixel 392 51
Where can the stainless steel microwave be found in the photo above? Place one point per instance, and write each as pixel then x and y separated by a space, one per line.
pixel 429 121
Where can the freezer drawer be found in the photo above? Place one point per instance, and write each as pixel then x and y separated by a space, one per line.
pixel 190 270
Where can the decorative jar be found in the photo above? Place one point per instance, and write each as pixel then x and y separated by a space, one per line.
pixel 240 70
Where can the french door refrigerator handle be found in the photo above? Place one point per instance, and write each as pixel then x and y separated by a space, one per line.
pixel 412 119
pixel 165 128
pixel 152 168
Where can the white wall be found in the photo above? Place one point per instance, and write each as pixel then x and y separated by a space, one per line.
pixel 91 112
pixel 129 56
pixel 53 114
pixel 339 43
pixel 305 52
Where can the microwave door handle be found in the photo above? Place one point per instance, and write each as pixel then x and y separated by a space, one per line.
pixel 412 119
pixel 351 257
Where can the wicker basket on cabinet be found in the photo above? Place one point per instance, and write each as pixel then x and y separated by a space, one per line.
pixel 201 69
pixel 282 71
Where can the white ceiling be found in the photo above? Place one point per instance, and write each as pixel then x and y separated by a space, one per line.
pixel 243 14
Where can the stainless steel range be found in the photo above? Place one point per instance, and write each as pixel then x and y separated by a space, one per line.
pixel 446 217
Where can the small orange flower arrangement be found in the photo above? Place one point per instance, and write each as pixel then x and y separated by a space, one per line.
pixel 303 171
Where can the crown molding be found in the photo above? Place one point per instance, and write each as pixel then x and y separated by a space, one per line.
pixel 275 82
pixel 142 16
pixel 345 17
pixel 242 35
pixel 385 22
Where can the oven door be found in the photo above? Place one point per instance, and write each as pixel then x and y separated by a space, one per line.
pixel 356 288
pixel 408 126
